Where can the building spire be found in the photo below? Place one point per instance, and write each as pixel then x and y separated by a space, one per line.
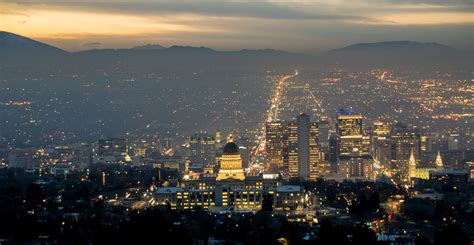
pixel 412 167
pixel 439 161
pixel 412 160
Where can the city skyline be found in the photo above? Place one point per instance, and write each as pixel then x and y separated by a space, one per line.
pixel 245 122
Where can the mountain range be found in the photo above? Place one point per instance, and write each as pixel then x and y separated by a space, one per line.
pixel 20 49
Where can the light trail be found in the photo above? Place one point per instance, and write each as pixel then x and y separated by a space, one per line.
pixel 317 102
pixel 272 116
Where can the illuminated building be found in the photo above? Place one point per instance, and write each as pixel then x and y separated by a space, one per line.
pixel 228 189
pixel 230 163
pixel 439 161
pixel 349 131
pixel 112 147
pixel 323 139
pixel 275 148
pixel 403 141
pixel 290 197
pixel 470 166
pixel 314 155
pixel 360 167
pixel 302 146
pixel 382 128
pixel 202 151
pixel 412 167
pixel 450 177
pixel 112 150
pixel 348 123
pixel 425 146
pixel 302 151
pixel 381 150
pixel 291 160
pixel 218 137
pixel 324 167
pixel 354 160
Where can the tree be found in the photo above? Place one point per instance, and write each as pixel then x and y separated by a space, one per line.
pixel 34 194
pixel 451 234
pixel 361 234
pixel 267 203
pixel 422 240
pixel 374 201
pixel 330 235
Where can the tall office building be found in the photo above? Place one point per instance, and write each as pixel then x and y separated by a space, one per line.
pixel 275 142
pixel 303 127
pixel 349 132
pixel 323 140
pixel 353 146
pixel 314 154
pixel 348 123
pixel 291 154
pixel 403 141
pixel 380 149
pixel 302 151
pixel 382 128
pixel 202 151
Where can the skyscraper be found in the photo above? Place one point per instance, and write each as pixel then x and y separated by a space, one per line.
pixel 380 149
pixel 275 147
pixel 202 150
pixel 353 146
pixel 302 151
pixel 348 123
pixel 349 132
pixel 382 128
pixel 291 158
pixel 323 140
pixel 303 127
pixel 314 156
pixel 403 141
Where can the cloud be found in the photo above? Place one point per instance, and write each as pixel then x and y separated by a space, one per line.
pixel 220 8
pixel 92 44
pixel 233 24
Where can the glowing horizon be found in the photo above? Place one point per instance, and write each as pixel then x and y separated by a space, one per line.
pixel 301 26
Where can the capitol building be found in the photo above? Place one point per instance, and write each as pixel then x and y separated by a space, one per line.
pixel 230 188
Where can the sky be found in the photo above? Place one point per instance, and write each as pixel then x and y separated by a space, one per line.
pixel 304 26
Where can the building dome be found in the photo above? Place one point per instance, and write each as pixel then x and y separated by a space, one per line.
pixel 231 149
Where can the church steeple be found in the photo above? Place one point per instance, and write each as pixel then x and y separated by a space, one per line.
pixel 439 161
pixel 412 166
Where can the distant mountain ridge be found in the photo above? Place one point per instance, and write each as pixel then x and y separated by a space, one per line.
pixel 389 45
pixel 415 55
pixel 13 43
pixel 20 50
pixel 149 47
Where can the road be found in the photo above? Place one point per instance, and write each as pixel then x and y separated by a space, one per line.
pixel 272 115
